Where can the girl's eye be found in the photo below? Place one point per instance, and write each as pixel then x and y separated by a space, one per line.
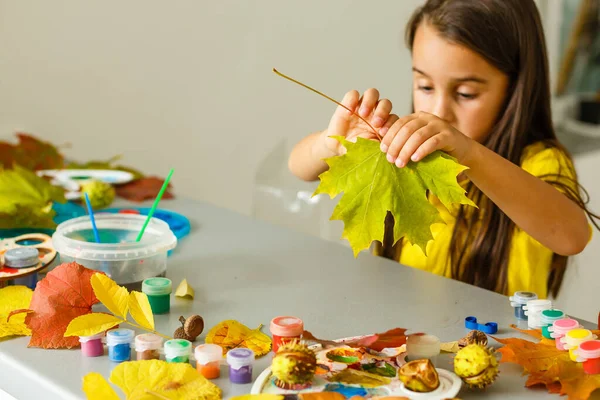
pixel 467 96
pixel 426 89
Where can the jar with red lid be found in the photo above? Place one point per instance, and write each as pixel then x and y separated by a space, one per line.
pixel 588 353
pixel 285 330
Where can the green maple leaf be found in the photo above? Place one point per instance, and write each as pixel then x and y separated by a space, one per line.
pixel 372 186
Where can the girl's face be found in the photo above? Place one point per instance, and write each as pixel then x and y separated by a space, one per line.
pixel 456 84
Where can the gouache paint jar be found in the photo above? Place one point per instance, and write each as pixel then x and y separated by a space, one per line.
pixel 560 328
pixel 119 344
pixel 147 346
pixel 547 318
pixel 178 350
pixel 158 291
pixel 208 360
pixel 518 300
pixel 240 365
pixel 91 346
pixel 285 330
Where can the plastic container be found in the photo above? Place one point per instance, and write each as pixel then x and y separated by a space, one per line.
pixel 158 291
pixel 178 350
pixel 147 346
pixel 533 310
pixel 119 344
pixel 588 353
pixel 574 338
pixel 240 365
pixel 208 360
pixel 91 346
pixel 547 318
pixel 518 300
pixel 422 346
pixel 560 328
pixel 285 330
pixel 124 260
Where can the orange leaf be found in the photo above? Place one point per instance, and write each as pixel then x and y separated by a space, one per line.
pixel 536 333
pixel 391 339
pixel 30 153
pixel 64 294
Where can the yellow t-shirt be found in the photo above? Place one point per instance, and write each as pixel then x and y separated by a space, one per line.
pixel 529 261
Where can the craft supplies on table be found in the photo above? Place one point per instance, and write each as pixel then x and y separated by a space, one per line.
pixel 147 346
pixel 158 291
pixel 488 327
pixel 560 328
pixel 423 346
pixel 208 360
pixel 588 353
pixel 119 344
pixel 23 257
pixel 72 179
pixel 574 338
pixel 285 330
pixel 518 300
pixel 178 350
pixel 240 363
pixel 533 310
pixel 547 318
pixel 91 346
pixel 178 223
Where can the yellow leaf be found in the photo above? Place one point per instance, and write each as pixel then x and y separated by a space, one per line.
pixel 231 334
pixel 14 298
pixel 96 387
pixel 150 379
pixel 262 396
pixel 450 347
pixel 184 290
pixel 139 308
pixel 113 296
pixel 91 324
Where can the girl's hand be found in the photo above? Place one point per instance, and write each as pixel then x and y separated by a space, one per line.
pixel 415 136
pixel 343 123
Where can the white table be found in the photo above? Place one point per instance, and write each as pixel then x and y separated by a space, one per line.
pixel 250 271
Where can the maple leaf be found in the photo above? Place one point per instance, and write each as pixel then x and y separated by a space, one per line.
pixel 390 339
pixel 231 334
pixel 372 186
pixel 64 294
pixel 14 298
pixel 30 153
pixel 143 189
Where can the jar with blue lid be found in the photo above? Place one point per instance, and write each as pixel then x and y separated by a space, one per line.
pixel 518 300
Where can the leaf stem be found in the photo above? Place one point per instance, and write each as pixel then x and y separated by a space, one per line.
pixel 148 330
pixel 329 98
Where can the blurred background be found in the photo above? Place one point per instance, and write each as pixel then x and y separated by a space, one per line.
pixel 189 85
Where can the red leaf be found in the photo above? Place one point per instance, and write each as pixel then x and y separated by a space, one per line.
pixel 30 153
pixel 393 338
pixel 65 293
pixel 143 189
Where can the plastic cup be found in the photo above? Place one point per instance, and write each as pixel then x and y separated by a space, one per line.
pixel 208 360
pixel 158 291
pixel 240 365
pixel 518 300
pixel 119 344
pixel 178 350
pixel 285 330
pixel 147 346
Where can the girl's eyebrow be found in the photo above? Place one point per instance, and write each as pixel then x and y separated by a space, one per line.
pixel 469 78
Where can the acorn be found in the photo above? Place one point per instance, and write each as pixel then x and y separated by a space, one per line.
pixel 190 328
pixel 476 365
pixel 419 376
pixel 294 366
pixel 475 336
pixel 180 334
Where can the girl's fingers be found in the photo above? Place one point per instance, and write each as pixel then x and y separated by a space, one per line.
pixel 382 112
pixel 429 146
pixel 391 133
pixel 390 121
pixel 402 137
pixel 368 102
pixel 419 136
pixel 350 100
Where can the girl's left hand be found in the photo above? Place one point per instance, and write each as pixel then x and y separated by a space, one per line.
pixel 415 136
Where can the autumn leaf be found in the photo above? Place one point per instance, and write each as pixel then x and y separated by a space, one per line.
pixel 91 324
pixel 96 387
pixel 393 338
pixel 13 298
pixel 26 199
pixel 362 378
pixel 143 189
pixel 372 186
pixel 139 308
pixel 231 334
pixel 113 296
pixel 184 290
pixel 30 153
pixel 64 294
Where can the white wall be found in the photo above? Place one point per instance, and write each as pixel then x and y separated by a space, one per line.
pixel 188 83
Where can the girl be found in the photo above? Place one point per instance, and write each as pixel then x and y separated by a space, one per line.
pixel 481 93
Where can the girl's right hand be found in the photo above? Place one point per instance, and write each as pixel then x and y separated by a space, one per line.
pixel 343 123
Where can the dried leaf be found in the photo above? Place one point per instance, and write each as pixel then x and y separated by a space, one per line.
pixel 450 347
pixel 14 298
pixel 372 187
pixel 96 387
pixel 231 334
pixel 64 294
pixel 391 339
pixel 91 324
pixel 139 308
pixel 355 377
pixel 140 380
pixel 184 290
pixel 30 153
pixel 113 296
pixel 143 189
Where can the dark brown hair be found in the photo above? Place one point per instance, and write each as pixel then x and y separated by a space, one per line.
pixel 509 35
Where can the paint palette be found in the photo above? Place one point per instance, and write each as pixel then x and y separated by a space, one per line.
pixel 41 242
pixel 333 361
pixel 72 179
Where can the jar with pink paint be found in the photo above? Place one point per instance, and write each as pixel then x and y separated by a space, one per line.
pixel 91 346
pixel 560 328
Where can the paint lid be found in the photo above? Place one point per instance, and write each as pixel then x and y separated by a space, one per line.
pixel 588 350
pixel 178 348
pixel 562 326
pixel 119 336
pixel 575 337
pixel 287 326
pixel 241 357
pixel 536 306
pixel 157 286
pixel 520 298
pixel 206 353
pixel 84 339
pixel 148 341
pixel 22 257
pixel 547 317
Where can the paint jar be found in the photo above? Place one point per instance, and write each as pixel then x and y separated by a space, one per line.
pixel 560 328
pixel 240 365
pixel 518 300
pixel 91 346
pixel 285 330
pixel 23 257
pixel 574 338
pixel 421 346
pixel 547 318
pixel 208 360
pixel 178 350
pixel 147 346
pixel 533 310
pixel 158 291
pixel 119 344
pixel 588 353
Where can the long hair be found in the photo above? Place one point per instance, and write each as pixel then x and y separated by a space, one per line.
pixel 509 35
